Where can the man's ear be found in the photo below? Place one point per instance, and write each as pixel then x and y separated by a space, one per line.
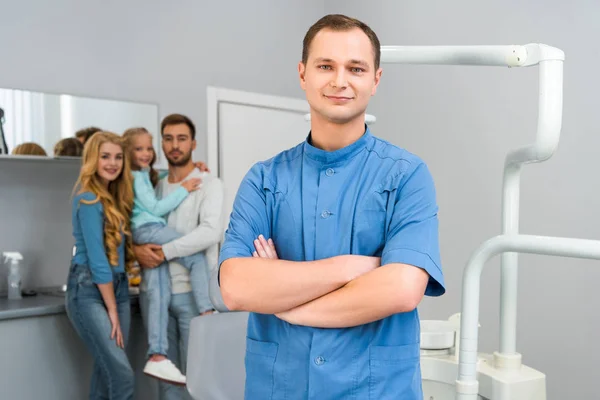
pixel 377 80
pixel 301 73
pixel 194 144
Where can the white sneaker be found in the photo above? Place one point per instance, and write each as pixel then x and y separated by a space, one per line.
pixel 166 371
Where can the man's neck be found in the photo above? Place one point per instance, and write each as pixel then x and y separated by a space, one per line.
pixel 179 173
pixel 330 136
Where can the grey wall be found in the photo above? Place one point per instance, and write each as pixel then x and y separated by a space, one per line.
pixel 462 121
pixel 35 218
pixel 159 52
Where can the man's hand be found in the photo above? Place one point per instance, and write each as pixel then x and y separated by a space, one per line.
pixel 161 255
pixel 264 248
pixel 149 255
pixel 357 265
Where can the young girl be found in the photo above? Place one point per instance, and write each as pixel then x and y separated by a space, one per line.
pixel 149 226
pixel 97 298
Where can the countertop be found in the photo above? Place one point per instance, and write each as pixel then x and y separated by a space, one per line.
pixel 40 305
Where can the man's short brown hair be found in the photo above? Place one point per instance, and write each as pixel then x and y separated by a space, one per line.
pixel 176 119
pixel 338 22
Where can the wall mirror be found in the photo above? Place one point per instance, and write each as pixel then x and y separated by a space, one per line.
pixel 33 123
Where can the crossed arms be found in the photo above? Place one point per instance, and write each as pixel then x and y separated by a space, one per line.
pixel 337 292
pixel 341 291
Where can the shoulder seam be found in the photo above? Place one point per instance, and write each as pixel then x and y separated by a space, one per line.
pixel 274 161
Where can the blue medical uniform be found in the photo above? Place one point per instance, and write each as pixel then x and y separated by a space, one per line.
pixel 370 198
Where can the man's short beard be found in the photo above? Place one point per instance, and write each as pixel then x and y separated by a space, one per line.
pixel 183 161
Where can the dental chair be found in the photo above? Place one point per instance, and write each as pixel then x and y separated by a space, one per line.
pixel 216 349
pixel 215 368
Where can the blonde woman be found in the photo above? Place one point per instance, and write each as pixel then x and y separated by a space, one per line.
pixel 97 298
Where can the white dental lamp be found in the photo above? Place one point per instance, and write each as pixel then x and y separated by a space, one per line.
pixel 550 61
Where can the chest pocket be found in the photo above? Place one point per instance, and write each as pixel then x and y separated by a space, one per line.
pixel 373 216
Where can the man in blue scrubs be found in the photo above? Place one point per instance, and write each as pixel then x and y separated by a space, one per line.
pixel 354 219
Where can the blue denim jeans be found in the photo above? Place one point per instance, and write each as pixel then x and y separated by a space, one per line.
pixel 181 311
pixel 158 284
pixel 112 375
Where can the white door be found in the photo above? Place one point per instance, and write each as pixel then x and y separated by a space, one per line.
pixel 244 128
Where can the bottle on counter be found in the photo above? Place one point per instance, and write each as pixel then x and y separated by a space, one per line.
pixel 13 259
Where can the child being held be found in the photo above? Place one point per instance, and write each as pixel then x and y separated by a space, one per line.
pixel 148 225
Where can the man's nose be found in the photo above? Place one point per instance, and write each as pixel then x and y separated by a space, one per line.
pixel 340 79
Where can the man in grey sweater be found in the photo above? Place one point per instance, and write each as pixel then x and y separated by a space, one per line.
pixel 199 219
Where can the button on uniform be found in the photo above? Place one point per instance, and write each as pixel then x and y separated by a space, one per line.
pixel 330 172
pixel 325 214
pixel 319 360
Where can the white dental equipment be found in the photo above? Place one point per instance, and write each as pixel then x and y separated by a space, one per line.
pixel 450 363
pixel 502 375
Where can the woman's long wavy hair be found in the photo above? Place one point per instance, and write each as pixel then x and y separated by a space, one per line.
pixel 129 135
pixel 117 199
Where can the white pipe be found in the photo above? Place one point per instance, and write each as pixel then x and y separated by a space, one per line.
pixel 467 385
pixel 500 56
pixel 550 98
pixel 509 263
pixel 548 134
pixel 455 55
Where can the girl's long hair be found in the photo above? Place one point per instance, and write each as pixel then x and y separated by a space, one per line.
pixel 117 199
pixel 129 135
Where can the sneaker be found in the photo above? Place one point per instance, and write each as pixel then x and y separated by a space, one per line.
pixel 166 371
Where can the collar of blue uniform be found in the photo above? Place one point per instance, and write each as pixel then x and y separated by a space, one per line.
pixel 345 153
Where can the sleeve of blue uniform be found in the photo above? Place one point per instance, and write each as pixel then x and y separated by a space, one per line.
pixel 248 218
pixel 91 217
pixel 412 237
pixel 146 195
